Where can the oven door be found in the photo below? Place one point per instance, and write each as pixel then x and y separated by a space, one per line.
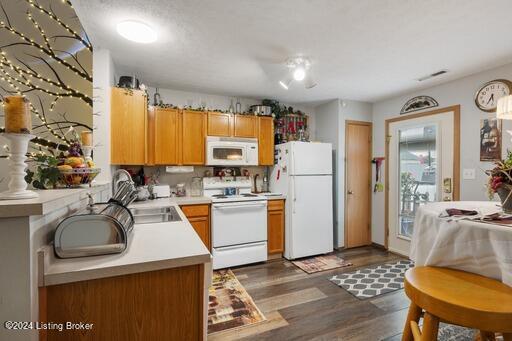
pixel 226 154
pixel 239 223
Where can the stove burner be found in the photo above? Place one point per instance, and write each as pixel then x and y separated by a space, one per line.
pixel 249 195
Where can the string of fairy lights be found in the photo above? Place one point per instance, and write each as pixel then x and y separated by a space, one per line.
pixel 25 79
pixel 61 23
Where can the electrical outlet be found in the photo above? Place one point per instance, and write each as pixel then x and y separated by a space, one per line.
pixel 468 174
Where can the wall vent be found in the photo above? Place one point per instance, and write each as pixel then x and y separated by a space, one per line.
pixel 432 75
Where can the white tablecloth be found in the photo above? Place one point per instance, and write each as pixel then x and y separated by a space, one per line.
pixel 481 248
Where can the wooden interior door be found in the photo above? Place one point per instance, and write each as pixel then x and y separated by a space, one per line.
pixel 193 137
pixel 358 150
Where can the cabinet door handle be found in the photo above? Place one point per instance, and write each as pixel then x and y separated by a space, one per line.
pixel 350 192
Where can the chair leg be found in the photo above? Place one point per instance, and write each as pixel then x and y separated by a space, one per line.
pixel 414 314
pixel 430 327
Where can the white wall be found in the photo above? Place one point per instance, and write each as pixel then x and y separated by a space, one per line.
pixel 330 127
pixel 461 92
pixel 103 79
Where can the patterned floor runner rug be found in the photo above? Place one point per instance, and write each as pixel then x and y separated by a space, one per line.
pixel 373 281
pixel 230 306
pixel 321 263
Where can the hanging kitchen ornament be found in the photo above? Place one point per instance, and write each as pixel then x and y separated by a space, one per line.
pixel 379 186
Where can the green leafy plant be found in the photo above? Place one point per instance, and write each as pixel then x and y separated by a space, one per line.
pixel 47 174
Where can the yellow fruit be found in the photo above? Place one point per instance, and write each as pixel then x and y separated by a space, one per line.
pixel 64 167
pixel 74 161
pixel 90 164
pixel 77 179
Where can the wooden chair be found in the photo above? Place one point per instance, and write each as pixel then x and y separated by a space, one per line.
pixel 456 297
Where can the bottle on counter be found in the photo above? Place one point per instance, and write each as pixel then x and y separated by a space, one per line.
pixel 196 187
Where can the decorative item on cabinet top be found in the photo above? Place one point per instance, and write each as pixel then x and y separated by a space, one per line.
pixel 418 103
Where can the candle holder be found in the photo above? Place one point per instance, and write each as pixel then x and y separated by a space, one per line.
pixel 17 155
pixel 87 150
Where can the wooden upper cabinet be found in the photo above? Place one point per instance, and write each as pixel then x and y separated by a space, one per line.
pixel 166 127
pixel 220 124
pixel 128 127
pixel 265 141
pixel 246 126
pixel 193 137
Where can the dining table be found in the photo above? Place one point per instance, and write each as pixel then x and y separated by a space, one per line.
pixel 470 242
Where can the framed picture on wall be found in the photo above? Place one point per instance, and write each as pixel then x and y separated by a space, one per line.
pixel 490 139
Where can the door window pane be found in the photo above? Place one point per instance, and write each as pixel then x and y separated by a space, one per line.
pixel 227 154
pixel 418 174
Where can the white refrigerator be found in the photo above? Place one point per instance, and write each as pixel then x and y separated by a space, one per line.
pixel 303 172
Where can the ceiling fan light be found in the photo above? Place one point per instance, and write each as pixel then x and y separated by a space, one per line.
pixel 299 73
pixel 309 82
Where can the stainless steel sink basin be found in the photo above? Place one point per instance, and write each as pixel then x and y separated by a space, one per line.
pixel 150 215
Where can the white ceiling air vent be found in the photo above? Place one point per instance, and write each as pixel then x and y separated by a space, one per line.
pixel 432 75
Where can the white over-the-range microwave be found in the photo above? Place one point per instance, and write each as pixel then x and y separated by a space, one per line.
pixel 229 151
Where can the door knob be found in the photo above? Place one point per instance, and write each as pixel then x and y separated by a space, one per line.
pixel 350 192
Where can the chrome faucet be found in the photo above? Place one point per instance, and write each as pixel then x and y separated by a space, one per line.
pixel 116 178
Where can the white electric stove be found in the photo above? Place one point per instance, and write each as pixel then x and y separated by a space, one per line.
pixel 239 222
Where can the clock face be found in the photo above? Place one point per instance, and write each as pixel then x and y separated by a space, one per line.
pixel 487 96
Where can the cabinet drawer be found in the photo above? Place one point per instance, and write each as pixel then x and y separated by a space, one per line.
pixel 276 205
pixel 195 210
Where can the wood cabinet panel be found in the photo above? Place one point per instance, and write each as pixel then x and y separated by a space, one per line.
pixel 128 127
pixel 156 305
pixel 196 210
pixel 199 218
pixel 266 141
pixel 193 136
pixel 166 136
pixel 275 226
pixel 220 124
pixel 202 227
pixel 245 126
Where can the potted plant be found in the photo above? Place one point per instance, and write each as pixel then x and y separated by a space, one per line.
pixel 500 182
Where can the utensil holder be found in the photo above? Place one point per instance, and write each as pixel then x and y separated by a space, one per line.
pixel 17 155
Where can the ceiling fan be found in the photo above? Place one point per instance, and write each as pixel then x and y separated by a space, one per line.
pixel 299 70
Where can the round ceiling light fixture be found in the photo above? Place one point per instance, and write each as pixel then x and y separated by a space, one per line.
pixel 136 31
pixel 299 73
pixel 298 70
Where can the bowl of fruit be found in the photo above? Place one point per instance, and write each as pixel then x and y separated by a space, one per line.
pixel 75 170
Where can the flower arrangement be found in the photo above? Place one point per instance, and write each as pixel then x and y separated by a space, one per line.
pixel 500 181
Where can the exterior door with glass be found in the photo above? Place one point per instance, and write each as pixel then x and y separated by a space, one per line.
pixel 423 166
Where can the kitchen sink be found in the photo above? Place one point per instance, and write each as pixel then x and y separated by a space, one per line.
pixel 151 215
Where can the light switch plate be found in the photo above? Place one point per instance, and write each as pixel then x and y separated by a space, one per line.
pixel 468 174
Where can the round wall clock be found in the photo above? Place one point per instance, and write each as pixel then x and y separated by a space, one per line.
pixel 486 98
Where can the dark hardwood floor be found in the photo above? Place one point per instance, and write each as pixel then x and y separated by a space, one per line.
pixel 299 306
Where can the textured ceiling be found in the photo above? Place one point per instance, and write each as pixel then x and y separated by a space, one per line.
pixel 361 50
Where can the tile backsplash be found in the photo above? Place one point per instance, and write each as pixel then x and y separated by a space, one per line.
pixel 172 179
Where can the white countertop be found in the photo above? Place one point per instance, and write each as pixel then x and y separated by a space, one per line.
pixel 152 247
pixel 48 201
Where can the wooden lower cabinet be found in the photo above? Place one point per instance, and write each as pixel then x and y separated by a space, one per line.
pixel 199 218
pixel 275 226
pixel 157 305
